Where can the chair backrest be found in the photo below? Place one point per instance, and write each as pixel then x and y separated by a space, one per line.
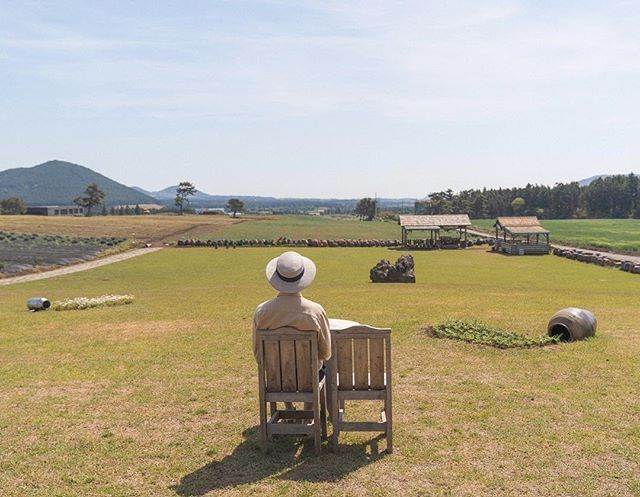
pixel 361 357
pixel 288 359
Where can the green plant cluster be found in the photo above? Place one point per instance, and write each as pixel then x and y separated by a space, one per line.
pixel 81 303
pixel 474 331
pixel 35 238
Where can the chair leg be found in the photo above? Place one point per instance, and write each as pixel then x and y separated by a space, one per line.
pixel 323 412
pixel 263 426
pixel 317 442
pixel 335 421
pixel 389 433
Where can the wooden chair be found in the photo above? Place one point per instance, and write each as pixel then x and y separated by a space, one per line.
pixel 360 369
pixel 288 372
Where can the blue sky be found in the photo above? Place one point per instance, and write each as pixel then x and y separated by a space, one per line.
pixel 330 99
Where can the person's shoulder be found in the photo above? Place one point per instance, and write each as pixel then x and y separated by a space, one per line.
pixel 264 305
pixel 313 306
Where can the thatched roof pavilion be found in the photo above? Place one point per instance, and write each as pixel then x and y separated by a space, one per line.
pixel 434 224
pixel 521 235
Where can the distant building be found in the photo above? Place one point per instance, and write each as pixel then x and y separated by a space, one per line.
pixel 56 210
pixel 321 211
pixel 145 208
pixel 211 210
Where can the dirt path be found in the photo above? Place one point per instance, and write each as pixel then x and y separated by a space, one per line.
pixel 83 266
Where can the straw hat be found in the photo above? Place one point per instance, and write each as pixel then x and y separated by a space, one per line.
pixel 291 272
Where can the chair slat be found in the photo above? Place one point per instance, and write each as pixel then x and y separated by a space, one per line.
pixel 303 365
pixel 288 365
pixel 376 362
pixel 361 363
pixel 345 364
pixel 272 366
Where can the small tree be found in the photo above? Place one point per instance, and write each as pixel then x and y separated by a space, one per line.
pixel 93 196
pixel 366 209
pixel 517 205
pixel 184 190
pixel 138 210
pixel 13 205
pixel 104 209
pixel 235 205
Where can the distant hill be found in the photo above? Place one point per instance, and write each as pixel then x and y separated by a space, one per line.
pixel 254 202
pixel 142 190
pixel 168 194
pixel 591 179
pixel 58 183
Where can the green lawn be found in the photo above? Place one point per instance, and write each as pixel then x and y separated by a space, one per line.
pixel 315 227
pixel 612 234
pixel 159 398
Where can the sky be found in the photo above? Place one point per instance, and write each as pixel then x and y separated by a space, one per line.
pixel 323 98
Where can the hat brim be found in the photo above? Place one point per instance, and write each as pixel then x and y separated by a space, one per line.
pixel 291 286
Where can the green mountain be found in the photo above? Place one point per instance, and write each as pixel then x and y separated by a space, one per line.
pixel 58 183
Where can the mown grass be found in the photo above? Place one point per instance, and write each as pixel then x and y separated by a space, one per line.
pixel 160 397
pixel 610 234
pixel 315 227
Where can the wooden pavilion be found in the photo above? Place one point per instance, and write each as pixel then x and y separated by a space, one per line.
pixel 435 225
pixel 521 236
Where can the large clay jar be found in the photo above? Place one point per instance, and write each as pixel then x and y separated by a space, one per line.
pixel 572 324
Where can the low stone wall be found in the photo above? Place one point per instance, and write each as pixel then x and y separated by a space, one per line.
pixel 598 259
pixel 287 242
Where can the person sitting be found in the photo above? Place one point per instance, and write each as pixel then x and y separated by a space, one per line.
pixel 289 274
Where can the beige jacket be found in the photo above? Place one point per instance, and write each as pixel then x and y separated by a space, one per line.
pixel 294 311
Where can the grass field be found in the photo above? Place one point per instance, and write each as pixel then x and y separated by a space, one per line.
pixel 613 234
pixel 159 398
pixel 156 228
pixel 610 234
pixel 300 227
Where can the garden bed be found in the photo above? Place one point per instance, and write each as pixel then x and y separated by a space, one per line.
pixel 23 252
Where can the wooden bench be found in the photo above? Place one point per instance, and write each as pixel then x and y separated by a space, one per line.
pixel 288 372
pixel 360 369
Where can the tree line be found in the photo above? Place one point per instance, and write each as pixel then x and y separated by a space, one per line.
pixel 607 197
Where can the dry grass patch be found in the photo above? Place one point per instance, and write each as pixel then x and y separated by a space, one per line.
pixel 153 228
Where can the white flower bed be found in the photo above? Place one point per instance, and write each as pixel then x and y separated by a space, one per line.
pixel 80 303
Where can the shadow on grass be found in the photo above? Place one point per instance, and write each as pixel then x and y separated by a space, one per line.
pixel 248 464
